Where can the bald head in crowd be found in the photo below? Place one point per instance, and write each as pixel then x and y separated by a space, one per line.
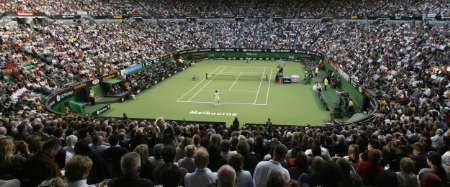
pixel 226 176
pixel 3 131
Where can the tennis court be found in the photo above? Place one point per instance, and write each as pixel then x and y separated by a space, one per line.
pixel 237 85
pixel 247 91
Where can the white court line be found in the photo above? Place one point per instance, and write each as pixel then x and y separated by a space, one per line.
pixel 205 85
pixel 240 90
pixel 259 87
pixel 195 86
pixel 268 88
pixel 235 80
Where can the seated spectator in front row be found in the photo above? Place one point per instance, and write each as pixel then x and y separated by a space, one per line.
pixel 130 166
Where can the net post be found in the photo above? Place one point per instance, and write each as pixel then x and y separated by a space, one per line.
pixel 206 76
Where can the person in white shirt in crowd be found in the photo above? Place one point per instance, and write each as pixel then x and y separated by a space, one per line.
pixel 437 141
pixel 98 144
pixel 202 176
pixel 264 168
pixel 71 140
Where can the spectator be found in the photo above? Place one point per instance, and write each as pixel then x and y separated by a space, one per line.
pixel 77 170
pixel 214 150
pixel 188 161
pixel 301 165
pixel 146 166
pixel 11 166
pixel 276 179
pixel 371 168
pixel 43 166
pixel 243 177
pixel 265 168
pixel 113 154
pixel 157 160
pixel 202 176
pixel 313 178
pixel 71 140
pixel 386 179
pixel 250 159
pixel 226 176
pixel 435 163
pixel 100 170
pixel 130 165
pixel 169 174
pixel 349 176
pixel 54 182
pixel 419 156
pixel 406 176
pixel 235 125
pixel 430 180
pixel 98 144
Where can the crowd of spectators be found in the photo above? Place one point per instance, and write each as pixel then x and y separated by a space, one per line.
pixel 404 64
pixel 231 8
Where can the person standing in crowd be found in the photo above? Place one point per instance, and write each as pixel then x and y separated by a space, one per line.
pixel 235 125
pixel 113 155
pixel 130 165
pixel 265 168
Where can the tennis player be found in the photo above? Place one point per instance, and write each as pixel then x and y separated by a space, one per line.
pixel 216 97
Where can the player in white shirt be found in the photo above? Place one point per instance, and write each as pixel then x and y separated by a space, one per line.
pixel 216 97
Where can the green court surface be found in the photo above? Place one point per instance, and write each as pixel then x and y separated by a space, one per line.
pixel 245 92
